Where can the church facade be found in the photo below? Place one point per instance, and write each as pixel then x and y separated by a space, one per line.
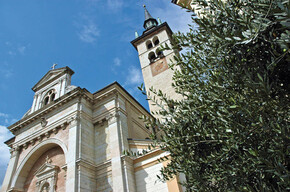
pixel 73 140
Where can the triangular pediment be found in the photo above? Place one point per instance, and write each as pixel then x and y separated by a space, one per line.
pixel 51 76
pixel 45 168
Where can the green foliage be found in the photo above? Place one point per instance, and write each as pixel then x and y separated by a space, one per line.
pixel 231 130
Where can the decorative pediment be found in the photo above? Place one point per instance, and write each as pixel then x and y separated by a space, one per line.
pixel 46 177
pixel 46 169
pixel 51 76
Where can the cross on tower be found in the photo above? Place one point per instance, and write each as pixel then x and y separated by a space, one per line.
pixel 53 66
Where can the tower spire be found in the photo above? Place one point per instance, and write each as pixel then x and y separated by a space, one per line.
pixel 149 20
pixel 147 14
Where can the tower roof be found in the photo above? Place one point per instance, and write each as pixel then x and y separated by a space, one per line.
pixel 149 20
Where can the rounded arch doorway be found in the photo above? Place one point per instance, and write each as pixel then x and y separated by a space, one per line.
pixel 42 168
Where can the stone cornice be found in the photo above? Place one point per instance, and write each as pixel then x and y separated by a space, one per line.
pixel 101 167
pixel 78 92
pixel 24 144
pixel 115 88
pixel 85 163
pixel 111 89
pixel 108 115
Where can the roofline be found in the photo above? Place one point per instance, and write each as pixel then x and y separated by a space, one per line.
pixel 123 89
pixel 150 32
pixel 75 93
pixel 9 140
pixel 32 116
pixel 66 69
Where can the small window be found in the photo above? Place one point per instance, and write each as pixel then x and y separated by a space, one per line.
pixel 155 40
pixel 151 56
pixel 149 44
pixel 49 97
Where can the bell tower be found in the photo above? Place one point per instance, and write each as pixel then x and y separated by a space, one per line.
pixel 154 62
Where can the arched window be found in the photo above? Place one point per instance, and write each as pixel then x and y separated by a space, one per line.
pixel 49 97
pixel 159 53
pixel 149 44
pixel 155 40
pixel 151 56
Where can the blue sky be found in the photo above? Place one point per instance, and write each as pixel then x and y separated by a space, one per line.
pixel 92 37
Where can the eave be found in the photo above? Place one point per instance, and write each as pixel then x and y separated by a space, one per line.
pixel 151 32
pixel 46 109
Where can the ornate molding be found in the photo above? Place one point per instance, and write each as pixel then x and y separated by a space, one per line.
pixel 46 176
pixel 72 120
pixel 44 110
pixel 42 136
pixel 113 117
pixel 43 122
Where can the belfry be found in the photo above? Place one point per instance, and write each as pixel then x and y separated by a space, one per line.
pixel 154 62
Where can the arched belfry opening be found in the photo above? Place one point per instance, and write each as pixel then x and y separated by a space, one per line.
pixel 49 97
pixel 149 44
pixel 151 56
pixel 156 41
pixel 43 169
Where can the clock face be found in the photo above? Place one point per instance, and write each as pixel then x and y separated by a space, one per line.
pixel 158 66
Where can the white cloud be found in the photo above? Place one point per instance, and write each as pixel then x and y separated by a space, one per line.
pixel 6 119
pixel 4 150
pixel 89 33
pixel 4 115
pixel 6 73
pixel 14 49
pixel 177 18
pixel 11 53
pixel 21 49
pixel 115 5
pixel 134 76
pixel 117 61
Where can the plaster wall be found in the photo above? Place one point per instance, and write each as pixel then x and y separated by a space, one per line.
pixel 147 181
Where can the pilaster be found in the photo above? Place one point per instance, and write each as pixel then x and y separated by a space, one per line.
pixel 115 142
pixel 73 144
pixel 10 169
pixel 122 167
